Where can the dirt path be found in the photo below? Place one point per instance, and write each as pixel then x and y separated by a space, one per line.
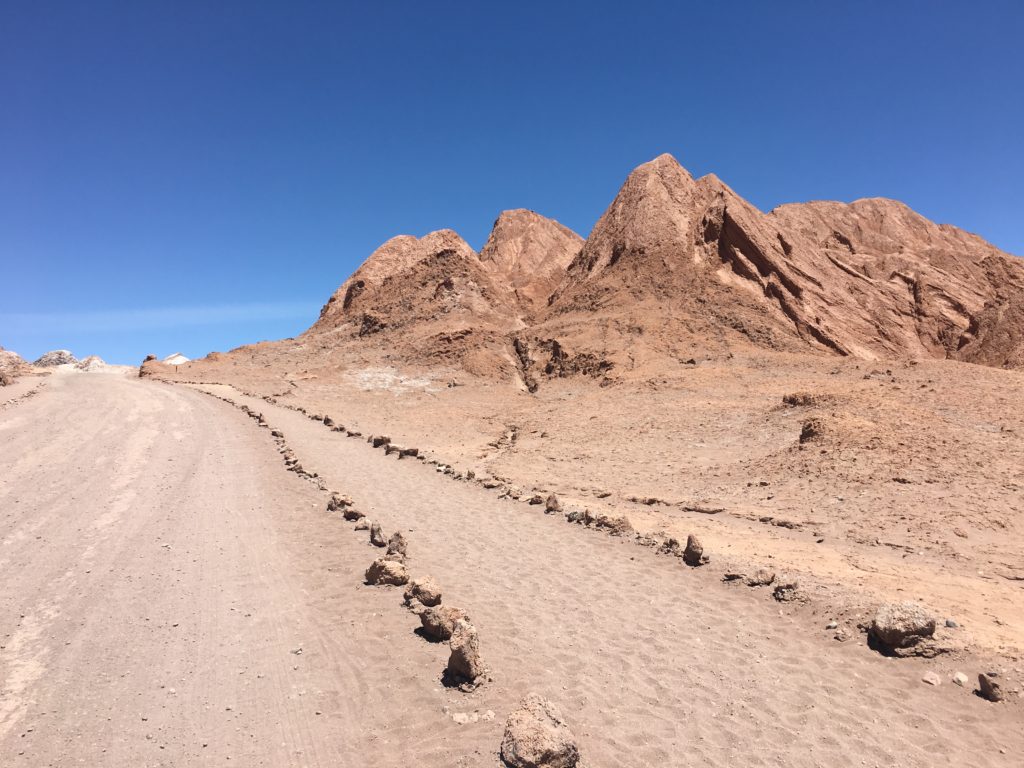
pixel 159 571
pixel 656 664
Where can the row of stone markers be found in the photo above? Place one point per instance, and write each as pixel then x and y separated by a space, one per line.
pixel 535 736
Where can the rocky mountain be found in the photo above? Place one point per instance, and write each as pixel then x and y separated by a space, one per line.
pixel 677 267
pixel 677 258
pixel 529 254
pixel 411 281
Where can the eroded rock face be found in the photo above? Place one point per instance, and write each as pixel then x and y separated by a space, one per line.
pixel 902 625
pixel 390 572
pixel 536 736
pixel 529 253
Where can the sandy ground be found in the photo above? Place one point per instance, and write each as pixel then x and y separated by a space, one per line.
pixel 162 570
pixel 913 486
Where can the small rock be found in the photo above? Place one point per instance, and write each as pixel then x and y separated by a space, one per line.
pixel 424 590
pixel 989 688
pixel 377 536
pixel 762 578
pixel 328 421
pixel 901 625
pixel 351 513
pixel 552 505
pixel 616 526
pixel 380 440
pixel 671 547
pixel 961 679
pixel 931 678
pixel 439 621
pixel 397 546
pixel 362 525
pixel 390 572
pixel 535 499
pixel 786 589
pixel 464 663
pixel 832 625
pixel 536 736
pixel 338 501
pixel 951 624
pixel 693 552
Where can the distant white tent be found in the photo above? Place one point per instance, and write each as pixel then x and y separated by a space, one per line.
pixel 176 359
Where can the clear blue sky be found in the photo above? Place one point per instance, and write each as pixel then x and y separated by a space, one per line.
pixel 197 175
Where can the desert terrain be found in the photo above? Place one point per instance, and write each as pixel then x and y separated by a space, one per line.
pixel 176 596
pixel 676 478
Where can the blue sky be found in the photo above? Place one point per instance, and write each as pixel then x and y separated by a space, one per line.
pixel 192 176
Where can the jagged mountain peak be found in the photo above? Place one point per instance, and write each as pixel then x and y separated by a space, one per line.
pixel 528 253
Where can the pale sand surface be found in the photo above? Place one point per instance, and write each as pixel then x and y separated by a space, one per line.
pixel 914 490
pixel 131 507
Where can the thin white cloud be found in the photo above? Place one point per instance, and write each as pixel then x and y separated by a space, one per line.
pixel 153 318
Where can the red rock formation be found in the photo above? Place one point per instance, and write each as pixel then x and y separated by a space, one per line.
pixel 678 264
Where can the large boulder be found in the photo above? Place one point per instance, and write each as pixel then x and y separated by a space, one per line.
pixel 903 625
pixel 465 667
pixel 390 572
pixel 536 736
pixel 439 621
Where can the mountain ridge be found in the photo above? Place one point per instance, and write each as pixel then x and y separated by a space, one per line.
pixel 676 263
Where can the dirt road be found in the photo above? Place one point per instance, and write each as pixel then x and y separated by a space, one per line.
pixel 172 596
pixel 160 575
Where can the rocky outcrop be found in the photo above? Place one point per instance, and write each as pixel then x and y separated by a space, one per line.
pixel 55 358
pixel 11 366
pixel 675 264
pixel 675 257
pixel 411 281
